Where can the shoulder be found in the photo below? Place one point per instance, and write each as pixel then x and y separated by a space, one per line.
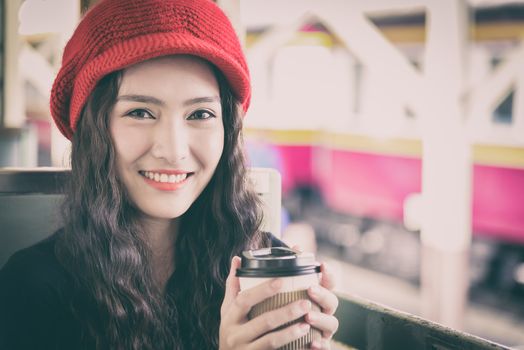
pixel 34 266
pixel 33 292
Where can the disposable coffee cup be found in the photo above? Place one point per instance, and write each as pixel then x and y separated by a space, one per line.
pixel 298 271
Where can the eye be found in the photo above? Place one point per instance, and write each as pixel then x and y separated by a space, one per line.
pixel 140 114
pixel 201 114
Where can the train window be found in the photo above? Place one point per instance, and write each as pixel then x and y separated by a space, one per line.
pixel 409 113
pixel 503 114
pixel 495 60
pixel 357 86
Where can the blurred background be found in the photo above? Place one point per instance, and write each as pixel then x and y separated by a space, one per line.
pixel 397 127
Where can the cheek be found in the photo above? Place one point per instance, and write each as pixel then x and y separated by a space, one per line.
pixel 214 147
pixel 206 147
pixel 130 143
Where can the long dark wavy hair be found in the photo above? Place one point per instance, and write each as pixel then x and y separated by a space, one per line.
pixel 104 247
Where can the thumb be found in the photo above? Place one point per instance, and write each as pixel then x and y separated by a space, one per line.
pixel 328 279
pixel 232 283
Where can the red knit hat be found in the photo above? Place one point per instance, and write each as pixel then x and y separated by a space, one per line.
pixel 118 33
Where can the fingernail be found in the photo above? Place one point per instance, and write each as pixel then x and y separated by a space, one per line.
pixel 306 305
pixel 304 327
pixel 276 284
pixel 311 316
pixel 315 344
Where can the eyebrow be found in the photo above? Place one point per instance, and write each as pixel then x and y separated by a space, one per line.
pixel 156 101
pixel 207 99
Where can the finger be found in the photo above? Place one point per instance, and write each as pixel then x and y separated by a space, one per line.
pixel 322 344
pixel 328 278
pixel 275 340
pixel 270 320
pixel 232 284
pixel 327 324
pixel 248 298
pixel 325 298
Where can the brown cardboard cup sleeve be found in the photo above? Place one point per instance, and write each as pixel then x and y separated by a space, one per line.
pixel 282 299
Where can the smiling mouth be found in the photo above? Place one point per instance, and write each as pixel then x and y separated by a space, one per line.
pixel 165 178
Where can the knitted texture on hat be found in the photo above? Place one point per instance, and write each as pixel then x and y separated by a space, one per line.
pixel 115 34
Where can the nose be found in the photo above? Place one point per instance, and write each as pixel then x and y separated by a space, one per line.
pixel 171 141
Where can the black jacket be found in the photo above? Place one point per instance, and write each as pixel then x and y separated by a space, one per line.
pixel 35 292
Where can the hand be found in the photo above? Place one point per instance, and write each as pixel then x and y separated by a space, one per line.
pixel 238 332
pixel 328 302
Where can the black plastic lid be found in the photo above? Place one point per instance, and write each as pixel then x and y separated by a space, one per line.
pixel 277 262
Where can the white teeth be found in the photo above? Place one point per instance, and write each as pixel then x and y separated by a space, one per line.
pixel 158 177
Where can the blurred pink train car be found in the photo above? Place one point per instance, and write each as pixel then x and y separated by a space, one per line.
pixel 364 177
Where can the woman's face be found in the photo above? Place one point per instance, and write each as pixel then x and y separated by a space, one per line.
pixel 167 129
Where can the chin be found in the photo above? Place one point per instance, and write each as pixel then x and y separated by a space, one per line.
pixel 164 213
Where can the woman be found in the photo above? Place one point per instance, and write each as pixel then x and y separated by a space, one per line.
pixel 151 93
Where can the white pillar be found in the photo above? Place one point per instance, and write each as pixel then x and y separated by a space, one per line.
pixel 14 106
pixel 446 166
pixel 232 10
pixel 60 146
